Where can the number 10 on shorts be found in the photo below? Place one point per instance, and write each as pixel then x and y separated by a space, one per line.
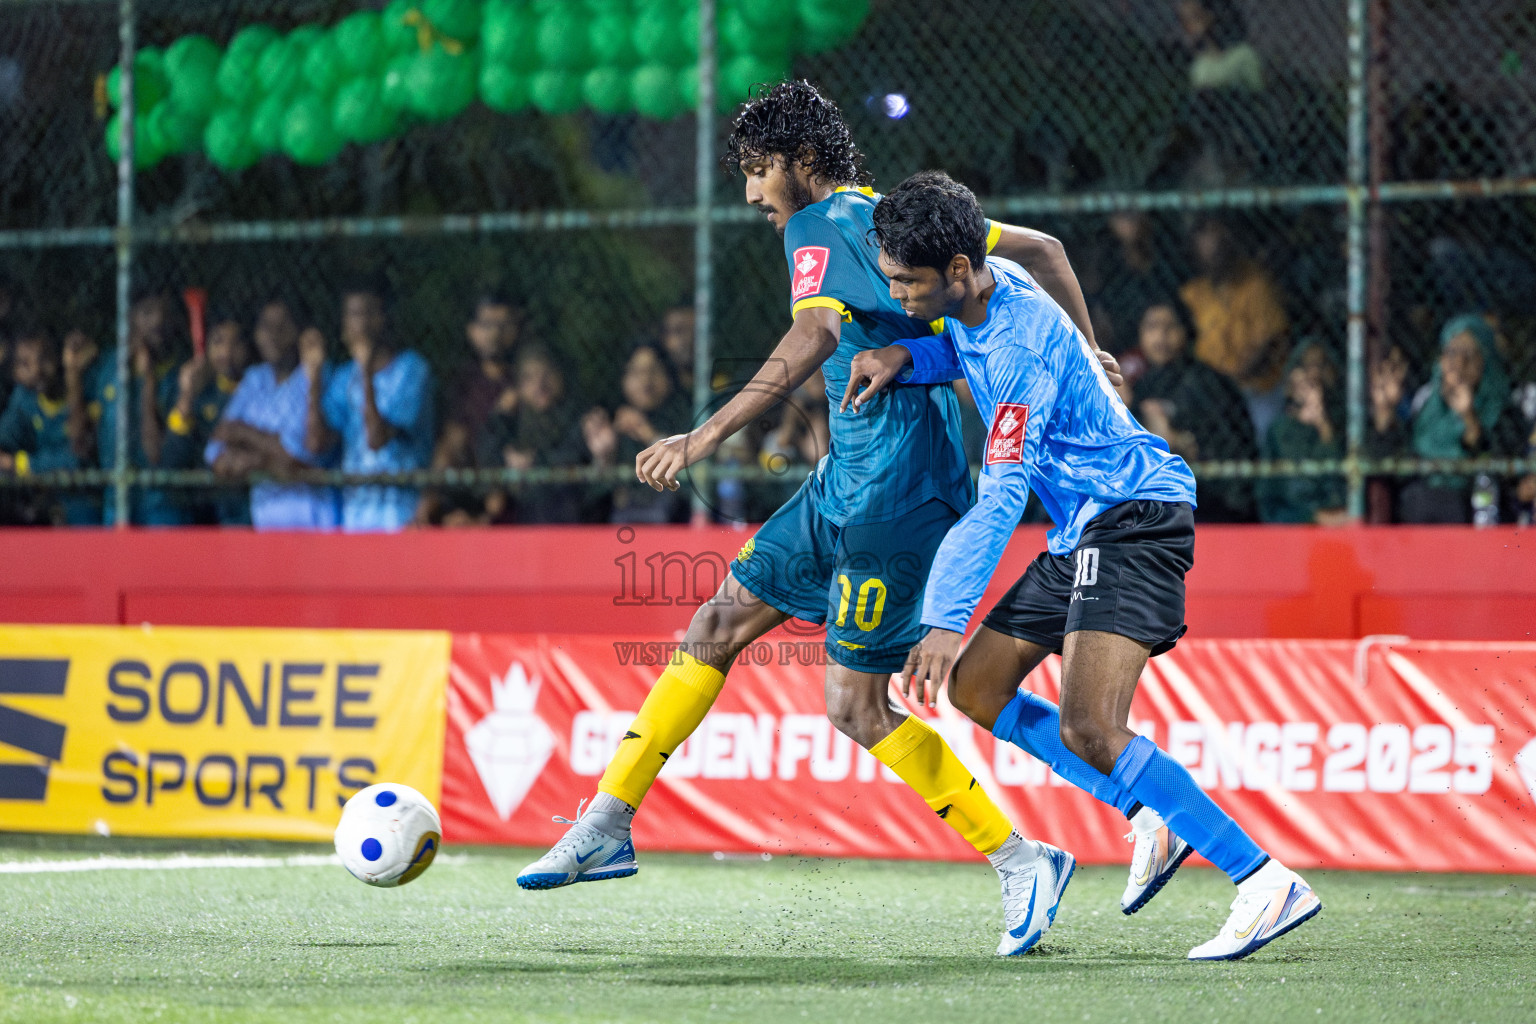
pixel 1087 567
pixel 871 606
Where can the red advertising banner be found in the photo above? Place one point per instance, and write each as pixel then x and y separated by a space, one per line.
pixel 1380 754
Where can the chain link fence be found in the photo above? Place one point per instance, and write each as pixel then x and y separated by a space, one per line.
pixel 1282 215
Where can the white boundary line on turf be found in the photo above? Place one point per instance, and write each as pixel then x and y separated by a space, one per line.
pixel 181 862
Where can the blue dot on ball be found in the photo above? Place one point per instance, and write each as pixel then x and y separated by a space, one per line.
pixel 373 849
pixel 385 798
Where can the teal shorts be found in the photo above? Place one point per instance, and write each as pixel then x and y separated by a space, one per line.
pixel 865 582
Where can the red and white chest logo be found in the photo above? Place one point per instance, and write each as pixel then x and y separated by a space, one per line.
pixel 1005 441
pixel 810 268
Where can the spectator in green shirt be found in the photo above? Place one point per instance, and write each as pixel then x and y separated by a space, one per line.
pixel 1310 427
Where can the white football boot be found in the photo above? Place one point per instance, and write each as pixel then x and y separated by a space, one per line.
pixel 584 854
pixel 1268 905
pixel 1157 855
pixel 1034 879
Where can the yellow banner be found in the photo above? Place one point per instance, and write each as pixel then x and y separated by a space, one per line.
pixel 255 733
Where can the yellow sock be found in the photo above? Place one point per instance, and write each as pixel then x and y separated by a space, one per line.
pixel 673 709
pixel 924 761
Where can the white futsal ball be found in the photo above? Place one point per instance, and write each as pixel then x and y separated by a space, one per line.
pixel 388 834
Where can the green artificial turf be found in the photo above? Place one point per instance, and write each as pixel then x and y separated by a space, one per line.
pixel 694 939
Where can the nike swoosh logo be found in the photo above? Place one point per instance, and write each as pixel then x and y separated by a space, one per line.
pixel 1252 924
pixel 1146 875
pixel 590 854
pixel 1029 914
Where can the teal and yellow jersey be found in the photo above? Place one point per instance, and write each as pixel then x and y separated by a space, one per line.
pixel 152 506
pixel 186 437
pixel 104 389
pixel 904 448
pixel 35 430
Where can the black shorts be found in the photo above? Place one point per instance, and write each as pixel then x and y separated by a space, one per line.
pixel 1125 576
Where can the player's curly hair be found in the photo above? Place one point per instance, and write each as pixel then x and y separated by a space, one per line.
pixel 794 120
pixel 928 220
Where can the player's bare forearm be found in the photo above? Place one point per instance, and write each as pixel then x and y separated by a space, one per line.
pixel 808 344
pixel 810 341
pixel 1046 260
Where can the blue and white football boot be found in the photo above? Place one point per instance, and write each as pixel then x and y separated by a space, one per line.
pixel 1033 879
pixel 1271 903
pixel 583 854
pixel 1157 855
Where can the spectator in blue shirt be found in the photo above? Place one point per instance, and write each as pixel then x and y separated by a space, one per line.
pixel 378 407
pixel 263 429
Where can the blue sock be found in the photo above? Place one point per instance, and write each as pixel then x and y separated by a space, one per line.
pixel 1164 785
pixel 1034 724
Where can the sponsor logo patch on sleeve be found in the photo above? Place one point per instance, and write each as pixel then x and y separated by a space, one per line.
pixel 1005 441
pixel 810 269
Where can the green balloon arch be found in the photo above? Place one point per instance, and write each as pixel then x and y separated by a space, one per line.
pixel 309 93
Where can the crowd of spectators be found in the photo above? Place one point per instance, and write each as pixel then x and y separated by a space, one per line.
pixel 1220 371
pixel 1231 341
pixel 1212 361
pixel 1209 352
pixel 269 397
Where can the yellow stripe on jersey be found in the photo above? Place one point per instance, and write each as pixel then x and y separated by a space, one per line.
pixel 861 188
pixel 936 326
pixel 994 234
pixel 823 302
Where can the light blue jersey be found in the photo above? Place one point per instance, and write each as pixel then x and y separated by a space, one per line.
pixel 282 408
pixel 1057 427
pixel 402 392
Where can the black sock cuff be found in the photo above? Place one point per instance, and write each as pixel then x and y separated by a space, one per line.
pixel 1249 874
pixel 1133 810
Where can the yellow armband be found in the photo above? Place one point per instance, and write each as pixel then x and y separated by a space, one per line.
pixel 823 302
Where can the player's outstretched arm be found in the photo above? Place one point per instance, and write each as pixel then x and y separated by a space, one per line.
pixel 968 556
pixel 1046 260
pixel 811 340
